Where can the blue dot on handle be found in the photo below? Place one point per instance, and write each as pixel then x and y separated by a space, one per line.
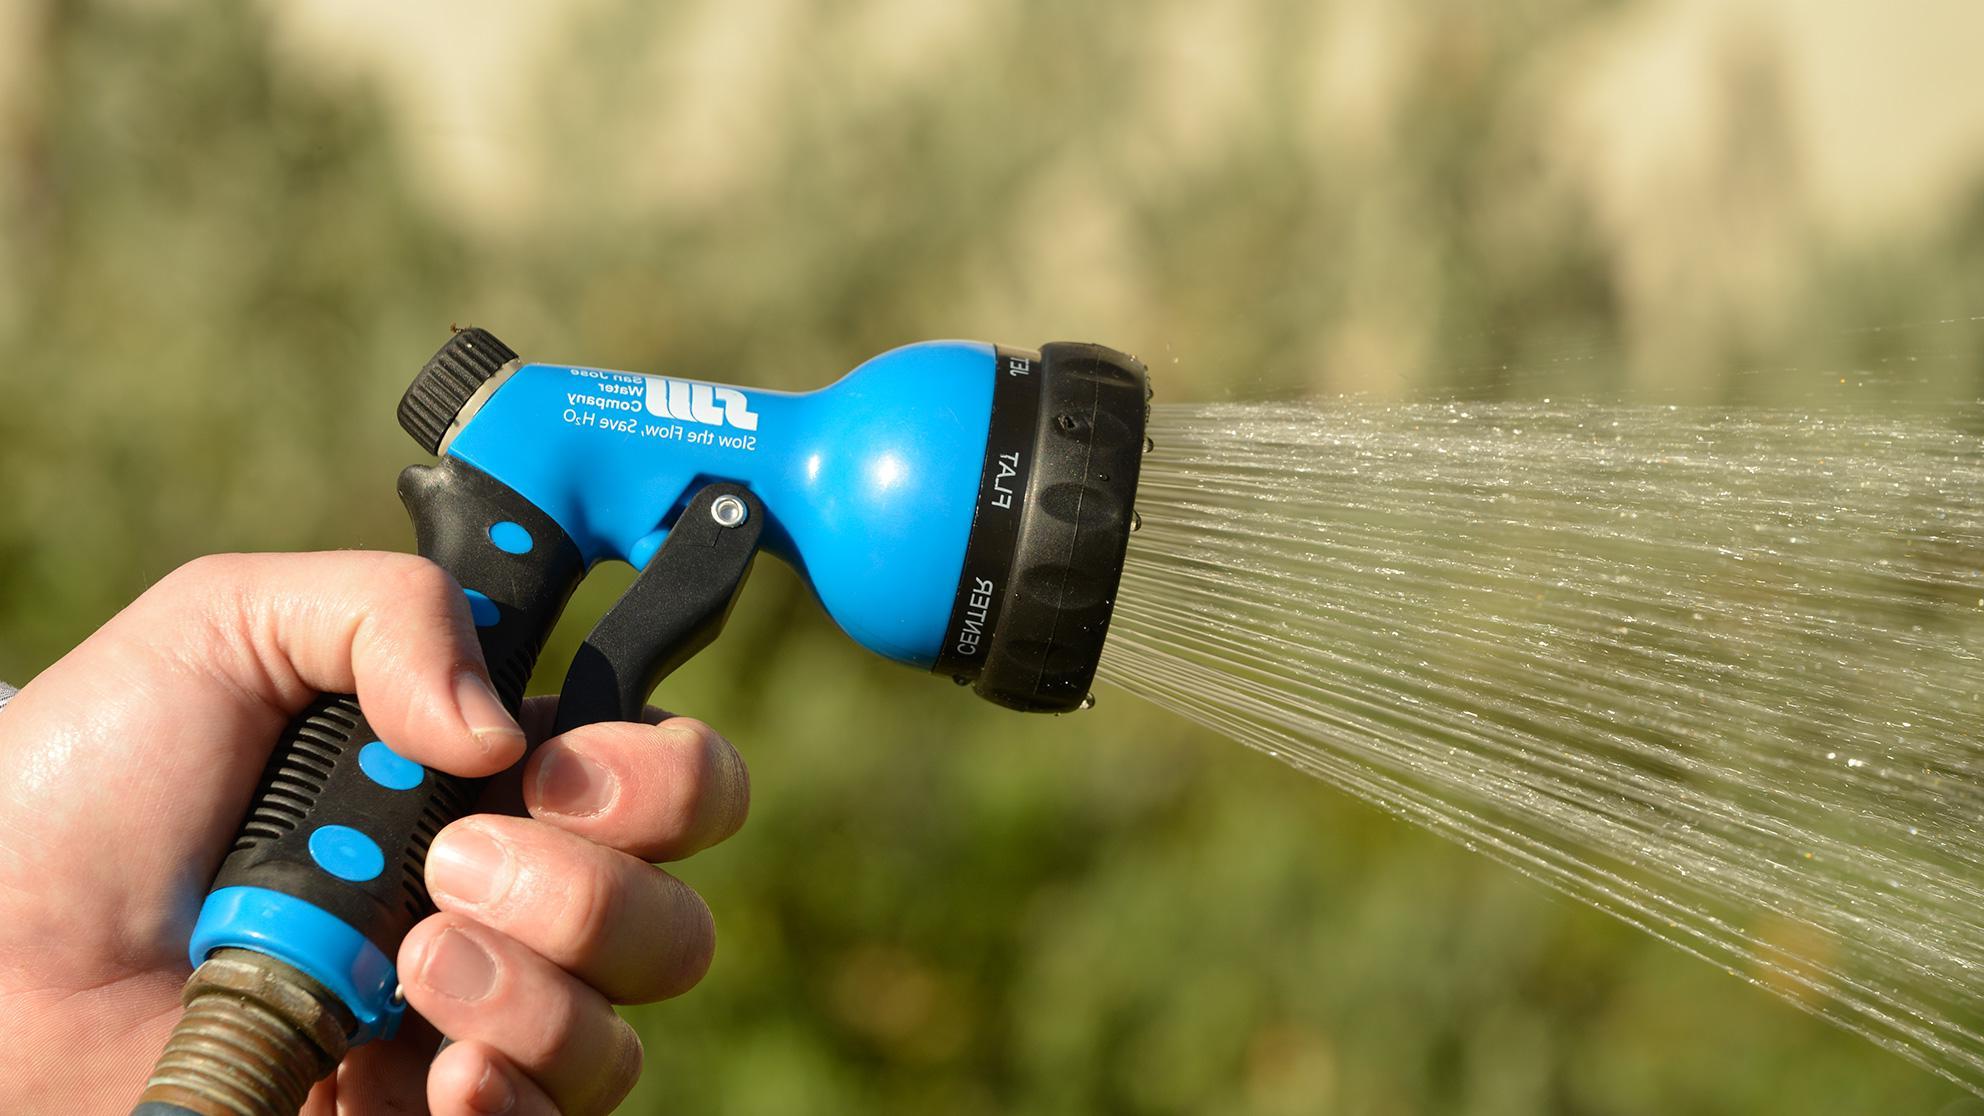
pixel 346 853
pixel 511 538
pixel 482 609
pixel 388 768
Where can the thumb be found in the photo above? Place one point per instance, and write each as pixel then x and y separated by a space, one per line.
pixel 278 629
pixel 146 738
pixel 240 643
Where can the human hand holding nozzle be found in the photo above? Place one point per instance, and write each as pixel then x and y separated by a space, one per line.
pixel 126 766
pixel 955 506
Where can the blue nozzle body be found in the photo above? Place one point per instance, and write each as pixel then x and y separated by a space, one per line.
pixel 869 484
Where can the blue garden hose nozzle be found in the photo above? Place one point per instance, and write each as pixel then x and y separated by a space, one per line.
pixel 956 506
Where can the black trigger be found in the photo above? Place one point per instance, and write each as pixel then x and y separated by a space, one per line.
pixel 675 607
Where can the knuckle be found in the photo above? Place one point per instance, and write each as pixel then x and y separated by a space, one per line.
pixel 412 577
pixel 708 791
pixel 622 1070
pixel 557 1034
pixel 204 574
pixel 689 730
pixel 590 1055
pixel 702 934
pixel 589 903
pixel 211 596
pixel 695 769
pixel 675 948
pixel 694 940
pixel 406 598
pixel 737 788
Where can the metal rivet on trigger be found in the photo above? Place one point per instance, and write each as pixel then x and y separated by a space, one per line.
pixel 729 511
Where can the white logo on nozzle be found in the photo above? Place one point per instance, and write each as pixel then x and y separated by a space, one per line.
pixel 702 403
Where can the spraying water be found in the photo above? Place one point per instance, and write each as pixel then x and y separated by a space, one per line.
pixel 1720 674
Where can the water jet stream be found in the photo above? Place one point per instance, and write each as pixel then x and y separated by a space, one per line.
pixel 1719 673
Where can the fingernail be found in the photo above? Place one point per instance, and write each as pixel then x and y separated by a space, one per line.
pixel 572 783
pixel 492 1094
pixel 485 716
pixel 458 967
pixel 470 866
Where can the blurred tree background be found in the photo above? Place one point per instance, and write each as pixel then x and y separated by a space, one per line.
pixel 228 234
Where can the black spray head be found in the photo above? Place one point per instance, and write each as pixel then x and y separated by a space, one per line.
pixel 1053 520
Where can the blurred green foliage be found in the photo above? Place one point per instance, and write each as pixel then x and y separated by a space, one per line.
pixel 222 254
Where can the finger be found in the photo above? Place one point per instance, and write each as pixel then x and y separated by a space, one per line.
pixel 657 792
pixel 504 794
pixel 541 712
pixel 538 715
pixel 473 1079
pixel 623 926
pixel 393 628
pixel 386 1076
pixel 483 987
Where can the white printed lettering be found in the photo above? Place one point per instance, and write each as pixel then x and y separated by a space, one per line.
pixel 1009 467
pixel 976 605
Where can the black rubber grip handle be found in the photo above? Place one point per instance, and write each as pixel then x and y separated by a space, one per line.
pixel 331 773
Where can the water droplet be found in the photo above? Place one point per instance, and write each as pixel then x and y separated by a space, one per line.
pixel 1136 521
pixel 1088 702
pixel 1149 445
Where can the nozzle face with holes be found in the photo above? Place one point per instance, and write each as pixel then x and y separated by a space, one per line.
pixel 1053 520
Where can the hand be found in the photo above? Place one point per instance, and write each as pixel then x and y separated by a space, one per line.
pixel 126 766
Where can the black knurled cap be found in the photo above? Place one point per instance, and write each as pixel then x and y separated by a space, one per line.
pixel 446 383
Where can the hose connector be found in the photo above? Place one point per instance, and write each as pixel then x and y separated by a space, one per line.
pixel 257 1034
